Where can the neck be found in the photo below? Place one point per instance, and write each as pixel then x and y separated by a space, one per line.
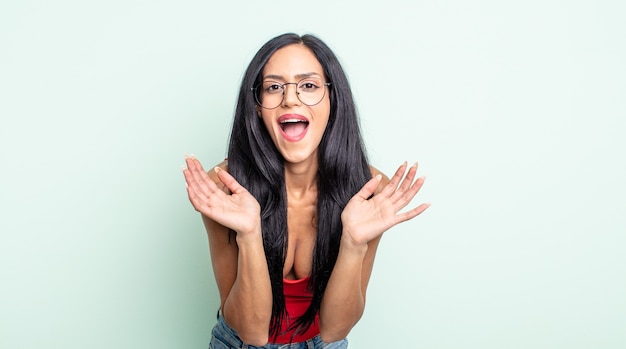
pixel 300 178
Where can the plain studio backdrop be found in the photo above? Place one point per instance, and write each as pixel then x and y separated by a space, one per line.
pixel 516 112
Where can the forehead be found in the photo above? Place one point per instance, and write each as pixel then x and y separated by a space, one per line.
pixel 292 61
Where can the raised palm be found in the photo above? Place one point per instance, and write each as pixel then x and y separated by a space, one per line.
pixel 234 208
pixel 365 219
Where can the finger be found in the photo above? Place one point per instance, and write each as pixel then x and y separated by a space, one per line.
pixel 205 197
pixel 190 180
pixel 405 197
pixel 368 188
pixel 193 164
pixel 229 181
pixel 198 179
pixel 193 197
pixel 405 216
pixel 408 179
pixel 196 169
pixel 196 200
pixel 391 187
pixel 205 184
pixel 188 176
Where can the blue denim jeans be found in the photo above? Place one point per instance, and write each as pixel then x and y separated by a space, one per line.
pixel 224 337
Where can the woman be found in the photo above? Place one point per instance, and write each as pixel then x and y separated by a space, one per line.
pixel 295 214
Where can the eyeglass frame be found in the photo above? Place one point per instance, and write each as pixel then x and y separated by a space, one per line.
pixel 283 86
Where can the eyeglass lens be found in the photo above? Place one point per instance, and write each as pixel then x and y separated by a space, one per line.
pixel 270 94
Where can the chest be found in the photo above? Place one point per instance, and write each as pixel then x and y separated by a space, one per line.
pixel 302 227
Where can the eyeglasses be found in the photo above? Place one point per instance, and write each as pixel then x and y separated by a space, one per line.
pixel 270 94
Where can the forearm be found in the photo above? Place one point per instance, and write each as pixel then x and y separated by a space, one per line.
pixel 248 307
pixel 344 301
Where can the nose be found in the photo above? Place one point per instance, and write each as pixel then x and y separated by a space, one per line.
pixel 290 98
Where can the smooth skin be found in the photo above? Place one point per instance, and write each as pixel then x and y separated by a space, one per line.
pixel 241 269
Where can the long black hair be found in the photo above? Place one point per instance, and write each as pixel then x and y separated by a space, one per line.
pixel 258 166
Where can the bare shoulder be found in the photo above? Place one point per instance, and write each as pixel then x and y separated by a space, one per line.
pixel 384 180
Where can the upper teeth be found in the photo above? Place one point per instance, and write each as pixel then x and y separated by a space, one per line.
pixel 292 120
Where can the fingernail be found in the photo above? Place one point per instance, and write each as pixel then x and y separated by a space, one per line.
pixel 379 177
pixel 217 169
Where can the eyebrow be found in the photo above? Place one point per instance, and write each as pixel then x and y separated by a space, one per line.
pixel 298 76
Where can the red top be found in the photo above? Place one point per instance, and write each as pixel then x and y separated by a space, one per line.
pixel 297 301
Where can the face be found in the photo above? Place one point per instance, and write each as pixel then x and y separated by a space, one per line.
pixel 295 127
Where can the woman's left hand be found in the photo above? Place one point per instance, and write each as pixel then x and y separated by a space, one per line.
pixel 366 219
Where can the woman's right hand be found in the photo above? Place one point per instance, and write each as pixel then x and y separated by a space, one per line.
pixel 239 210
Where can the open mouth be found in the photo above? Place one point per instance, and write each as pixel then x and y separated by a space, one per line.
pixel 293 128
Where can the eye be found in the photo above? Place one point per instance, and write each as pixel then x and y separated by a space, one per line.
pixel 309 85
pixel 272 87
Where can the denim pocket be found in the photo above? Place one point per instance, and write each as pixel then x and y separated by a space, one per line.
pixel 342 344
pixel 224 337
pixel 216 343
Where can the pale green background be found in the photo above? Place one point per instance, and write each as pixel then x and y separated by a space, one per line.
pixel 515 110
